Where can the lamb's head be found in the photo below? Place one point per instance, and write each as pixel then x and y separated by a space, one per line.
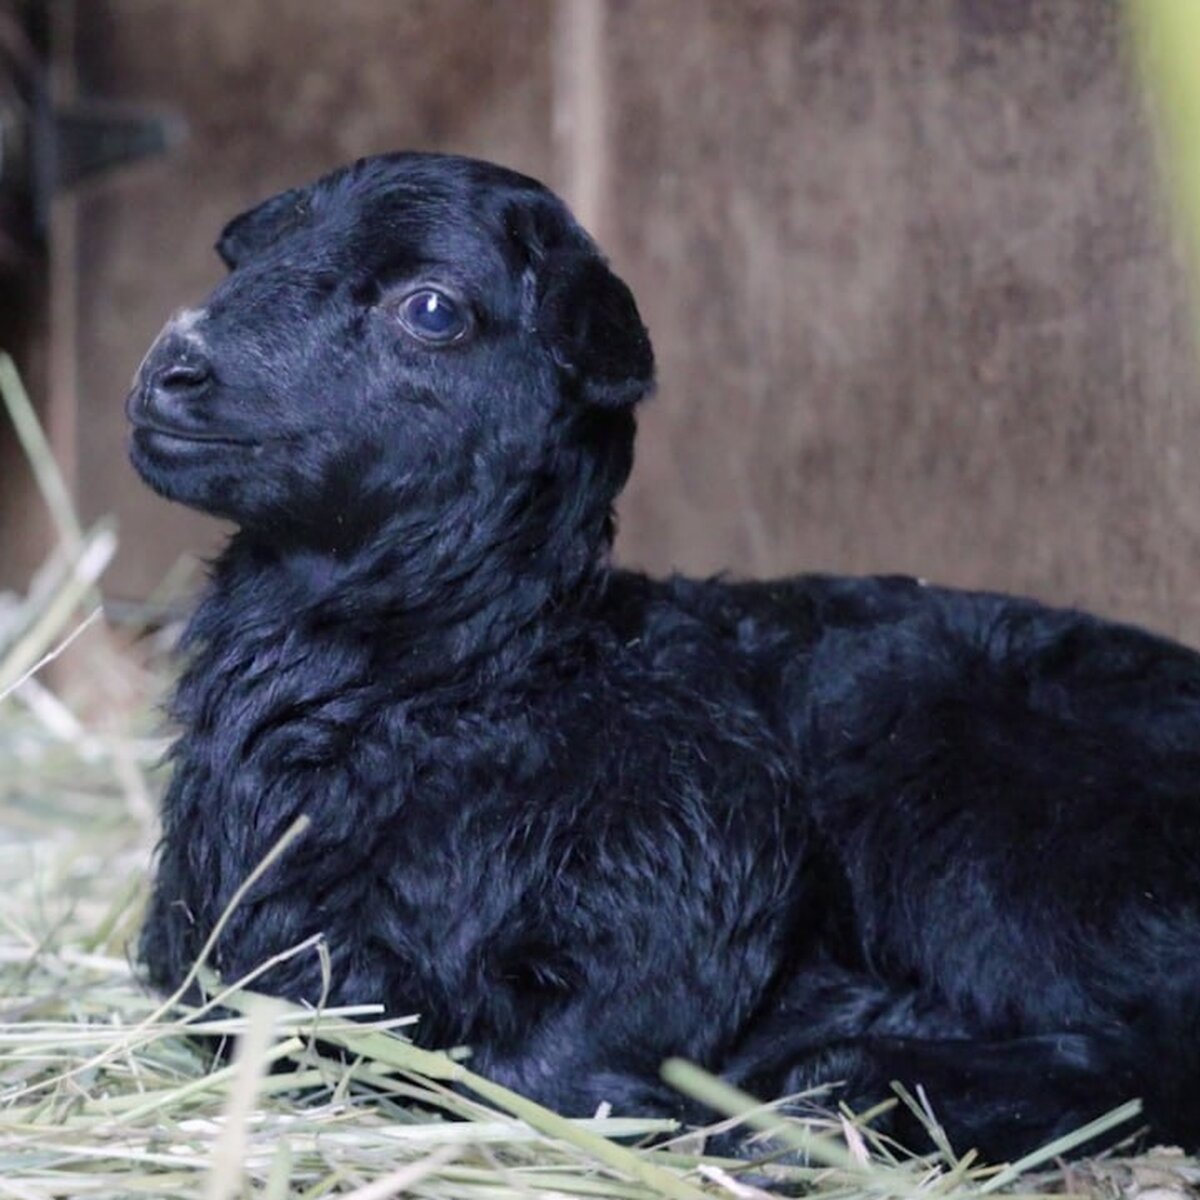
pixel 404 332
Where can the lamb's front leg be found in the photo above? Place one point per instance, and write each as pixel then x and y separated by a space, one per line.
pixel 602 1024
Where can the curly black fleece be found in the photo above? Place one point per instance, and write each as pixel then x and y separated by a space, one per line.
pixel 580 820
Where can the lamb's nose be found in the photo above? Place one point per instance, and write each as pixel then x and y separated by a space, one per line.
pixel 170 387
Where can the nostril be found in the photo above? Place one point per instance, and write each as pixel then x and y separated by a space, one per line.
pixel 183 377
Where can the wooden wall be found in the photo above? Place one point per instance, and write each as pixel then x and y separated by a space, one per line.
pixel 914 296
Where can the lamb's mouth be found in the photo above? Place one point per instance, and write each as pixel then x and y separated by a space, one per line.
pixel 188 435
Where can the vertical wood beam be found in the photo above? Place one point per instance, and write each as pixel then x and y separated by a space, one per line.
pixel 581 110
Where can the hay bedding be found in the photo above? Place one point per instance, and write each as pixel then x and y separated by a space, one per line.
pixel 103 1093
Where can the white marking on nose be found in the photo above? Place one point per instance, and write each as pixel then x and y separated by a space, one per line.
pixel 182 324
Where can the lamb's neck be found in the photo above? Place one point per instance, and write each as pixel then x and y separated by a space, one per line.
pixel 431 606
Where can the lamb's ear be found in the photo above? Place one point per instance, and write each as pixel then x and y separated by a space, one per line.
pixel 258 227
pixel 590 320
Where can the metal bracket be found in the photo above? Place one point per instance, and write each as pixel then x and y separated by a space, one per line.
pixel 46 149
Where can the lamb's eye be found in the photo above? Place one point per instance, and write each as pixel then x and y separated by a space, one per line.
pixel 432 316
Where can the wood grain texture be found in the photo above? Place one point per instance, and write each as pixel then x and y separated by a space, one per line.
pixel 915 299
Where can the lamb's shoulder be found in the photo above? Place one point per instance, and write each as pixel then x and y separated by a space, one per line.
pixel 453 839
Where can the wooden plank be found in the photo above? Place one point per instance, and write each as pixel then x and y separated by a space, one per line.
pixel 916 302
pixel 581 104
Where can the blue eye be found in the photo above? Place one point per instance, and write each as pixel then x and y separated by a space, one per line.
pixel 432 316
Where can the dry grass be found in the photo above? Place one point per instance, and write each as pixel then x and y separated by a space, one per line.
pixel 103 1093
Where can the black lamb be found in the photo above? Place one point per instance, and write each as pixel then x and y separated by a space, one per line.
pixel 815 830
